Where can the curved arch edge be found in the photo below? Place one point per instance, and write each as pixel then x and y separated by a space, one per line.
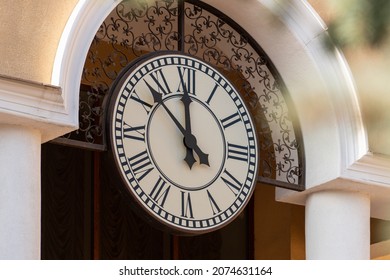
pixel 72 50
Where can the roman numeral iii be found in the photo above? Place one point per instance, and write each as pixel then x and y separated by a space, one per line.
pixel 237 152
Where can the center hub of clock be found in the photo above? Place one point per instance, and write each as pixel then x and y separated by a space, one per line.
pixel 190 141
pixel 167 145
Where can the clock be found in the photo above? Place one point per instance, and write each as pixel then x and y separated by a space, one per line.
pixel 183 141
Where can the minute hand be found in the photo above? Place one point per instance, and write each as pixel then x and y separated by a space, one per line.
pixel 186 100
pixel 189 139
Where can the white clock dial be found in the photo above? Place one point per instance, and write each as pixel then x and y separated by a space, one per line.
pixel 184 142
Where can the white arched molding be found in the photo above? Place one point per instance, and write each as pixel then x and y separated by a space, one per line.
pixel 337 87
pixel 72 50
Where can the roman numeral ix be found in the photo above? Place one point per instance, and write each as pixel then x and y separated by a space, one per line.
pixel 134 132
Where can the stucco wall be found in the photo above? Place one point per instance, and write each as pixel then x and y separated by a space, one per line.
pixel 30 31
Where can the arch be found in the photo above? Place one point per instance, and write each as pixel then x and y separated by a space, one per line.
pixel 73 47
pixel 316 77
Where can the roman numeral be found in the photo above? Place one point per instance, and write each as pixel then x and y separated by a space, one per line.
pixel 161 82
pixel 144 104
pixel 187 79
pixel 141 165
pixel 212 93
pixel 231 120
pixel 233 184
pixel 214 206
pixel 160 192
pixel 238 152
pixel 134 132
pixel 186 205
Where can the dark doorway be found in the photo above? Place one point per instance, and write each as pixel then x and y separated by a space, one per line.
pixel 85 216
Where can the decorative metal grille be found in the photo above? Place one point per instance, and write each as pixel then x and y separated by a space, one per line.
pixel 139 27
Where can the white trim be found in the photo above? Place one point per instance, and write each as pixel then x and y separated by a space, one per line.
pixel 33 105
pixel 369 175
pixel 62 46
pixel 372 172
pixel 31 94
pixel 72 51
pixel 339 89
pixel 299 16
pixel 370 169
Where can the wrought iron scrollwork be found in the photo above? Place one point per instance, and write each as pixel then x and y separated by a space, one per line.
pixel 210 37
pixel 138 27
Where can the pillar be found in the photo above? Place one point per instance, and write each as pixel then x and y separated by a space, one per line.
pixel 338 225
pixel 20 192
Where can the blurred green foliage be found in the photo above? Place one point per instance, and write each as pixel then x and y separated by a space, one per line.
pixel 361 22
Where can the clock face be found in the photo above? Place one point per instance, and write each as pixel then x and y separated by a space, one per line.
pixel 184 142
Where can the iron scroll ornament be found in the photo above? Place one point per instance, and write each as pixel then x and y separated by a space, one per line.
pixel 136 28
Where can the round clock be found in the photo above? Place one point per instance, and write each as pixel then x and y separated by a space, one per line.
pixel 183 141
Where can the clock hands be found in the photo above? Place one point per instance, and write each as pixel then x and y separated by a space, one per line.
pixel 189 139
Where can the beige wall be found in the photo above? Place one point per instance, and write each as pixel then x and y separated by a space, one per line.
pixel 30 31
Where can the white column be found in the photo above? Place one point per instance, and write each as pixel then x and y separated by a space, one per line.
pixel 338 225
pixel 20 192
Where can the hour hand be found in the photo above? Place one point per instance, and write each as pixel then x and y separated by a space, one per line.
pixel 190 142
pixel 189 158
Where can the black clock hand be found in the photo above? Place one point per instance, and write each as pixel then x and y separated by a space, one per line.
pixel 189 139
pixel 187 101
